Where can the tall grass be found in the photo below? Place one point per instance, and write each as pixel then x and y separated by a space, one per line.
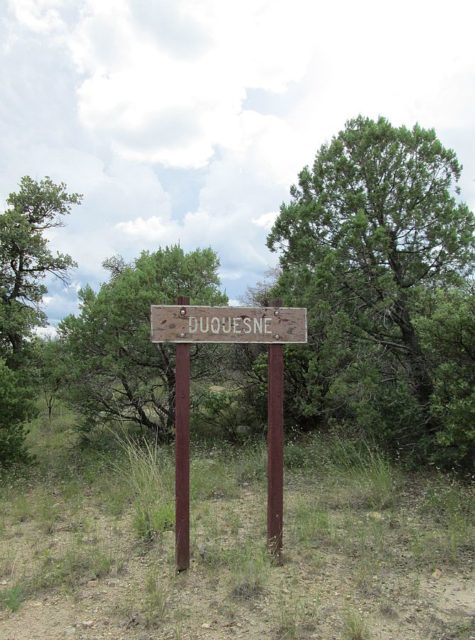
pixel 148 471
pixel 360 469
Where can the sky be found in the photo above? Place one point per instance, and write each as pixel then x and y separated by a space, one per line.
pixel 187 121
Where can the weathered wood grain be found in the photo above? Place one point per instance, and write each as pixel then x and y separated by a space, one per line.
pixel 195 324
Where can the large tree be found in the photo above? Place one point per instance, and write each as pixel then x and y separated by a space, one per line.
pixel 375 221
pixel 116 373
pixel 26 259
pixel 25 262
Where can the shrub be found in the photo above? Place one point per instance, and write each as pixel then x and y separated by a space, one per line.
pixel 15 408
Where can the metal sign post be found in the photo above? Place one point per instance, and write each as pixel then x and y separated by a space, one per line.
pixel 182 453
pixel 275 448
pixel 185 325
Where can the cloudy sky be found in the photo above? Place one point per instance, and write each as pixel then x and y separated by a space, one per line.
pixel 188 120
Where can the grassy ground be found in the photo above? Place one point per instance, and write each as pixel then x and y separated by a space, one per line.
pixel 87 546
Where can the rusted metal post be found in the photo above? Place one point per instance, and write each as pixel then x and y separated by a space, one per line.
pixel 275 449
pixel 182 452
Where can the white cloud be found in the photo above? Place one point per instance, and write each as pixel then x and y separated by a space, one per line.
pixel 48 333
pixel 188 121
pixel 151 229
pixel 154 102
pixel 266 220
pixel 41 16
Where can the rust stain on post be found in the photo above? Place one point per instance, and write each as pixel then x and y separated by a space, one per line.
pixel 191 324
pixel 182 453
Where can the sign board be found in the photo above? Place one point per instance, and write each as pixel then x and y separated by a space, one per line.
pixel 191 324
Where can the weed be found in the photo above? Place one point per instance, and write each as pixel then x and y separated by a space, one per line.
pixel 290 617
pixel 373 482
pixel 211 478
pixel 47 510
pixel 152 520
pixel 250 573
pixel 366 537
pixel 21 508
pixel 178 632
pixel 156 601
pixel 365 576
pixel 311 525
pixel 463 631
pixel 449 510
pixel 296 456
pixel 148 472
pixel 354 627
pixel 74 566
pixel 445 498
pixel 11 598
pixel 250 464
pixel 7 565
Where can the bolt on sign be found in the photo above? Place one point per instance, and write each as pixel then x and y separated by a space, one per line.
pixel 185 325
pixel 267 325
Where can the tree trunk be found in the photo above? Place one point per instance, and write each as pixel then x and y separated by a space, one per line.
pixel 418 367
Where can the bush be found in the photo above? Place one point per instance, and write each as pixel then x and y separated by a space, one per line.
pixel 15 408
pixel 225 414
pixel 448 335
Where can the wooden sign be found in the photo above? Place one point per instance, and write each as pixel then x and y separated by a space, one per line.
pixel 266 325
pixel 186 324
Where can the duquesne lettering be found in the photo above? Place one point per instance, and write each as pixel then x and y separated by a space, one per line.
pixel 241 325
pixel 197 324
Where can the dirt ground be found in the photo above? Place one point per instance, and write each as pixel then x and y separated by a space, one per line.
pixel 324 589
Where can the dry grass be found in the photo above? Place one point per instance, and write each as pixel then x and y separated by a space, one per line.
pixel 369 551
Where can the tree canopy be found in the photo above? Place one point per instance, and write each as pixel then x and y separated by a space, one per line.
pixel 25 261
pixel 25 257
pixel 374 223
pixel 117 374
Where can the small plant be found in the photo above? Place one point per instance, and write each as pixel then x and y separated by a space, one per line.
pixel 47 512
pixel 250 568
pixel 290 617
pixel 21 509
pixel 380 482
pixel 354 627
pixel 250 584
pixel 451 507
pixel 296 456
pixel 213 477
pixel 156 601
pixel 74 566
pixel 311 525
pixel 364 575
pixel 150 521
pixel 250 464
pixel 149 475
pixel 11 598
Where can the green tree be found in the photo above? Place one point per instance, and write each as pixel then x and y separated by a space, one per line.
pixel 25 258
pixel 25 261
pixel 447 333
pixel 116 373
pixel 50 366
pixel 373 224
pixel 15 408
